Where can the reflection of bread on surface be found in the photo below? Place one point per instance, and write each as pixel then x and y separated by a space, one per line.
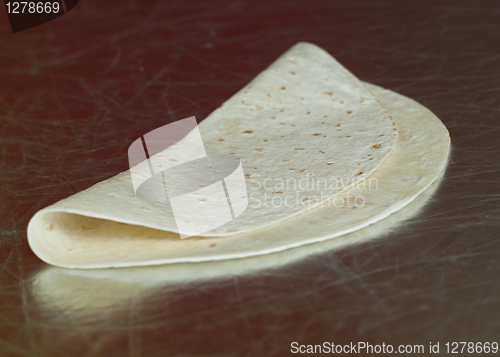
pixel 85 291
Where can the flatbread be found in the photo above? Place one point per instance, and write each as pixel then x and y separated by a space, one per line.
pixel 77 241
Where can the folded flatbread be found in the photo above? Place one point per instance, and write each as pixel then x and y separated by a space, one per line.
pixel 304 119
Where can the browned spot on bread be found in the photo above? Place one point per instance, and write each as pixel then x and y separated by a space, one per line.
pixel 248 176
pixel 312 222
pixel 293 73
pixel 50 227
pixel 259 149
pixel 265 140
pixel 308 113
pixel 328 93
pixel 376 146
pixel 299 149
pixel 348 136
pixel 282 123
pixel 248 132
pixel 360 173
pixel 232 153
pixel 382 135
pixel 273 117
pixel 316 134
pixel 202 199
pixel 212 245
pixel 283 88
pixel 282 110
pixel 341 102
pixel 292 124
pixel 286 160
pixel 293 61
pixel 220 139
pixel 301 170
pixel 172 159
pixel 269 95
pixel 305 199
pixel 338 125
pixel 277 192
pixel 322 152
pixel 329 163
pixel 349 112
pixel 403 135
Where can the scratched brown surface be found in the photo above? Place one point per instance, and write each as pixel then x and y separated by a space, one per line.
pixel 75 92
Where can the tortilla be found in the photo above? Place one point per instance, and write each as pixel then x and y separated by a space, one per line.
pixel 78 241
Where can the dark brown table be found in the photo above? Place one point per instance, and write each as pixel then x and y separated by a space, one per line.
pixel 75 92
